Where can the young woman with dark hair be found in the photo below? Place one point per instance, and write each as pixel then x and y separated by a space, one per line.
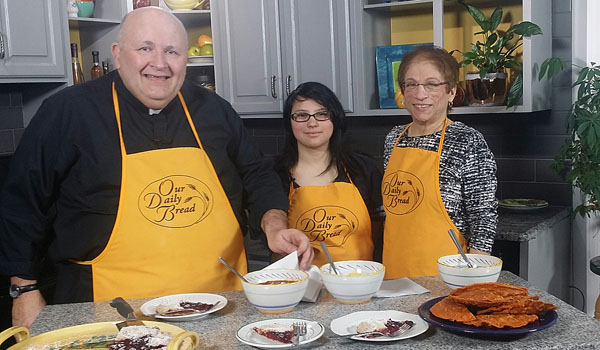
pixel 334 192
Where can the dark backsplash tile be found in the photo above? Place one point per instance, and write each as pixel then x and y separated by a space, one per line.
pixel 18 133
pixel 548 146
pixel 556 124
pixel 11 118
pixel 515 169
pixel 368 126
pixel 16 99
pixel 4 99
pixel 545 173
pixel 555 194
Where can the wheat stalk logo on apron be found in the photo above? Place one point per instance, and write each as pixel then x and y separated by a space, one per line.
pixel 176 201
pixel 402 192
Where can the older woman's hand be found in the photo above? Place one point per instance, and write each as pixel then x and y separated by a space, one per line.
pixel 476 251
pixel 284 240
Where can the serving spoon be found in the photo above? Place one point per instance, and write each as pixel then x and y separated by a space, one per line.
pixel 233 270
pixel 460 249
pixel 326 251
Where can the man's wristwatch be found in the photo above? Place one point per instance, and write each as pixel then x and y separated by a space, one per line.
pixel 14 291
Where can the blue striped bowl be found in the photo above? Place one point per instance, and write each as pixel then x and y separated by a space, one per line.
pixel 275 298
pixel 357 281
pixel 456 273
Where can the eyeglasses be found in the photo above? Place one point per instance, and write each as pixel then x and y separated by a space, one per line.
pixel 429 87
pixel 302 117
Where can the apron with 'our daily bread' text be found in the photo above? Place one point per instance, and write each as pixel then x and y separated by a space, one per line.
pixel 173 222
pixel 335 214
pixel 417 223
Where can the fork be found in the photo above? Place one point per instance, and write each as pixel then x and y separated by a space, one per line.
pixel 403 329
pixel 299 331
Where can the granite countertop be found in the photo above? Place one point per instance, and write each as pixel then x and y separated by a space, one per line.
pixel 527 225
pixel 573 329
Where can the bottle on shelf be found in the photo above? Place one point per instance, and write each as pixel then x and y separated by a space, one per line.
pixel 105 67
pixel 96 71
pixel 77 72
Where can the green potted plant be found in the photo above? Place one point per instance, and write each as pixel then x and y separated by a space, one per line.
pixel 580 154
pixel 492 56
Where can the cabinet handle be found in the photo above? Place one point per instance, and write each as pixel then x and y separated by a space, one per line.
pixel 1 46
pixel 273 92
pixel 288 82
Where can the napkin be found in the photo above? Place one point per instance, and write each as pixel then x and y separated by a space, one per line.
pixel 399 287
pixel 315 283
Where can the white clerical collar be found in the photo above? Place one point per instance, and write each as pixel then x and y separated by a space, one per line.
pixel 153 111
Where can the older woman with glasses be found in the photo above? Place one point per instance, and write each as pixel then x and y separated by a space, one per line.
pixel 439 175
pixel 334 193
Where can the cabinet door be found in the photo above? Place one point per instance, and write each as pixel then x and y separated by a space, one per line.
pixel 247 43
pixel 31 31
pixel 316 45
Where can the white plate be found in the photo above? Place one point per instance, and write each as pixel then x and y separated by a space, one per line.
pixel 248 336
pixel 347 324
pixel 149 307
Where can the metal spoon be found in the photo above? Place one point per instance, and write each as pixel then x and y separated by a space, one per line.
pixel 460 250
pixel 233 270
pixel 326 251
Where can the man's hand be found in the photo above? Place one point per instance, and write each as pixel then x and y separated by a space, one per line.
pixel 27 306
pixel 284 240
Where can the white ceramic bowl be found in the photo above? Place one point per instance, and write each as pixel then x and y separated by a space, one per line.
pixel 275 298
pixel 357 281
pixel 181 4
pixel 456 273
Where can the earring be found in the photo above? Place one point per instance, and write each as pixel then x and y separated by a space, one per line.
pixel 450 104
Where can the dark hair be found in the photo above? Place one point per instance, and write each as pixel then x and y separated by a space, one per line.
pixel 341 154
pixel 440 58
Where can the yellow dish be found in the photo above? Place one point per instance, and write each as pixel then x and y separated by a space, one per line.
pixel 91 333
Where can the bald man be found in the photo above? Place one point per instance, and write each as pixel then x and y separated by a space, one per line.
pixel 132 184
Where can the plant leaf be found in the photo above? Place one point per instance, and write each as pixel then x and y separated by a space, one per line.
pixel 491 40
pixel 526 29
pixel 495 18
pixel 515 92
pixel 478 16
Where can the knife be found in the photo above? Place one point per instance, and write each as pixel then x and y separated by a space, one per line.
pixel 125 310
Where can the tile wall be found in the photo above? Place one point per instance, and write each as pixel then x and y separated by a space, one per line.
pixel 11 119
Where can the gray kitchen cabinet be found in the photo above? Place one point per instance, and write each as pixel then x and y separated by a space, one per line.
pixel 268 47
pixel 31 37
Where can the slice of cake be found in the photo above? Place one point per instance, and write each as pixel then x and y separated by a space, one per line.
pixel 387 327
pixel 140 338
pixel 282 333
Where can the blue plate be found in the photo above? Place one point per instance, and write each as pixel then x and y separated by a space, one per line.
pixel 545 320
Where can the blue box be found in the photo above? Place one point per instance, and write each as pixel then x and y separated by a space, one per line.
pixel 388 60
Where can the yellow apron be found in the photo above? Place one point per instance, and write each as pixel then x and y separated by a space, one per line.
pixel 416 223
pixel 335 214
pixel 174 221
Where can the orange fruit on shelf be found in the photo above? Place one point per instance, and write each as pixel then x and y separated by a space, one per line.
pixel 204 39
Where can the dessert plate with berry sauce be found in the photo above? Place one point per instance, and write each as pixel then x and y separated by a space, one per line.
pixel 348 324
pixel 203 303
pixel 281 328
